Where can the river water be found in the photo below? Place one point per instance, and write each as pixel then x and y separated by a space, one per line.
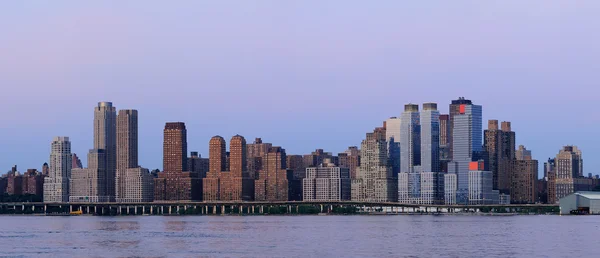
pixel 300 236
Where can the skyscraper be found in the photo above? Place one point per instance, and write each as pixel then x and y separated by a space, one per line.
pixel 410 138
pixel 444 144
pixel 271 183
pixel 524 176
pixel 228 185
pixel 127 139
pixel 569 168
pixel 430 138
pixel 455 109
pixel 392 135
pixel 105 138
pixel 466 144
pixel 374 181
pixel 134 184
pixel 175 183
pixel 500 147
pixel 56 185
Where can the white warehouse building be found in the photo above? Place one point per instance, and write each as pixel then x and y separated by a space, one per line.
pixel 580 203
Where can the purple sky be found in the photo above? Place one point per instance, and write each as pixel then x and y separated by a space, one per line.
pixel 300 74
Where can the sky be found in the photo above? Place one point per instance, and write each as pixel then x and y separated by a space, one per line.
pixel 300 74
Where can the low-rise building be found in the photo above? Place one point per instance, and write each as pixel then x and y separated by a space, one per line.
pixel 580 203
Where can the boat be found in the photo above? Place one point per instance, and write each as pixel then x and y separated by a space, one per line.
pixel 76 213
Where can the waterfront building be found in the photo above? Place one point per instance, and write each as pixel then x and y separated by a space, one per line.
pixel 326 183
pixel 569 168
pixel 480 185
pixel 105 138
pixel 14 185
pixel 524 177
pixel 499 143
pixel 234 184
pixel 374 181
pixel 56 185
pixel 467 145
pixel 89 184
pixel 33 182
pixel 271 183
pixel 197 164
pixel 450 187
pixel 134 183
pixel 175 183
pixel 582 202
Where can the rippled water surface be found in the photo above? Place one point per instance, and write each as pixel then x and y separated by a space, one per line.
pixel 300 236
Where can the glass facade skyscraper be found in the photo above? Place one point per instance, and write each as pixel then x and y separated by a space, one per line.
pixel 467 146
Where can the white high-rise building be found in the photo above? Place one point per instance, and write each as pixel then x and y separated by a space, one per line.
pixel 56 185
pixel 105 138
pixel 139 185
pixel 481 185
pixel 374 181
pixel 326 183
pixel 89 184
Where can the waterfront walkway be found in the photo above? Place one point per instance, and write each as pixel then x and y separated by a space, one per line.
pixel 257 208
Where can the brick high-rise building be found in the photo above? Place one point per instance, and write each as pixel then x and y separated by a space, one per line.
pixel 56 185
pixel 524 177
pixel 500 147
pixel 350 159
pixel 14 184
pixel 272 181
pixel 105 138
pixel 255 154
pixel 33 182
pixel 228 185
pixel 175 183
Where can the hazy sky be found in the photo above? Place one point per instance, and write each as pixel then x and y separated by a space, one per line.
pixel 299 74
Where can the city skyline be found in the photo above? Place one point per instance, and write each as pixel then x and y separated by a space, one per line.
pixel 297 69
pixel 84 158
